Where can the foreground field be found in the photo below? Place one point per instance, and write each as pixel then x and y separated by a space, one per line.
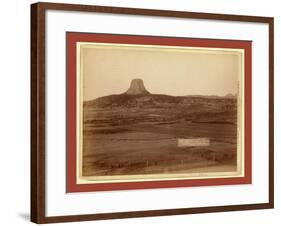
pixel 142 138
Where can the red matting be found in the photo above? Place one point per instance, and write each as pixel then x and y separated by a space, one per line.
pixel 73 38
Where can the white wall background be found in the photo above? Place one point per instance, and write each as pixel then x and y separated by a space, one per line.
pixel 15 105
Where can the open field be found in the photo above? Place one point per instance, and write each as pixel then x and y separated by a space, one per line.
pixel 139 135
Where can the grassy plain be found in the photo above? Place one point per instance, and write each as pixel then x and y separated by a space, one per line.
pixel 138 135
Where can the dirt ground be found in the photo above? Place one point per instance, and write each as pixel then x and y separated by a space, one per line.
pixel 138 141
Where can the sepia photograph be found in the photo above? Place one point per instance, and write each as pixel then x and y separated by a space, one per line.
pixel 152 112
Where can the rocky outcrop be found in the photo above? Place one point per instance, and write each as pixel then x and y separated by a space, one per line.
pixel 138 97
pixel 137 88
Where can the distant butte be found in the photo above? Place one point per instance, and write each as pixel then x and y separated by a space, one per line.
pixel 137 88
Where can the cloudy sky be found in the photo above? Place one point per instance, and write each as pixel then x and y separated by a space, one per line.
pixel 109 70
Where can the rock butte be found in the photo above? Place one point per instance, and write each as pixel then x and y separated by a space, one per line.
pixel 137 88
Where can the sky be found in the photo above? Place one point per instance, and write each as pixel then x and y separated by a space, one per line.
pixel 109 69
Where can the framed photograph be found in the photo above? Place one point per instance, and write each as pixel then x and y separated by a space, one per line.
pixel 172 116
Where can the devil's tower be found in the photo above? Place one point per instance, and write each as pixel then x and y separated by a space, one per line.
pixel 137 88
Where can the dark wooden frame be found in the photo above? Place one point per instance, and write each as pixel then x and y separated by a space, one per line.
pixel 38 23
